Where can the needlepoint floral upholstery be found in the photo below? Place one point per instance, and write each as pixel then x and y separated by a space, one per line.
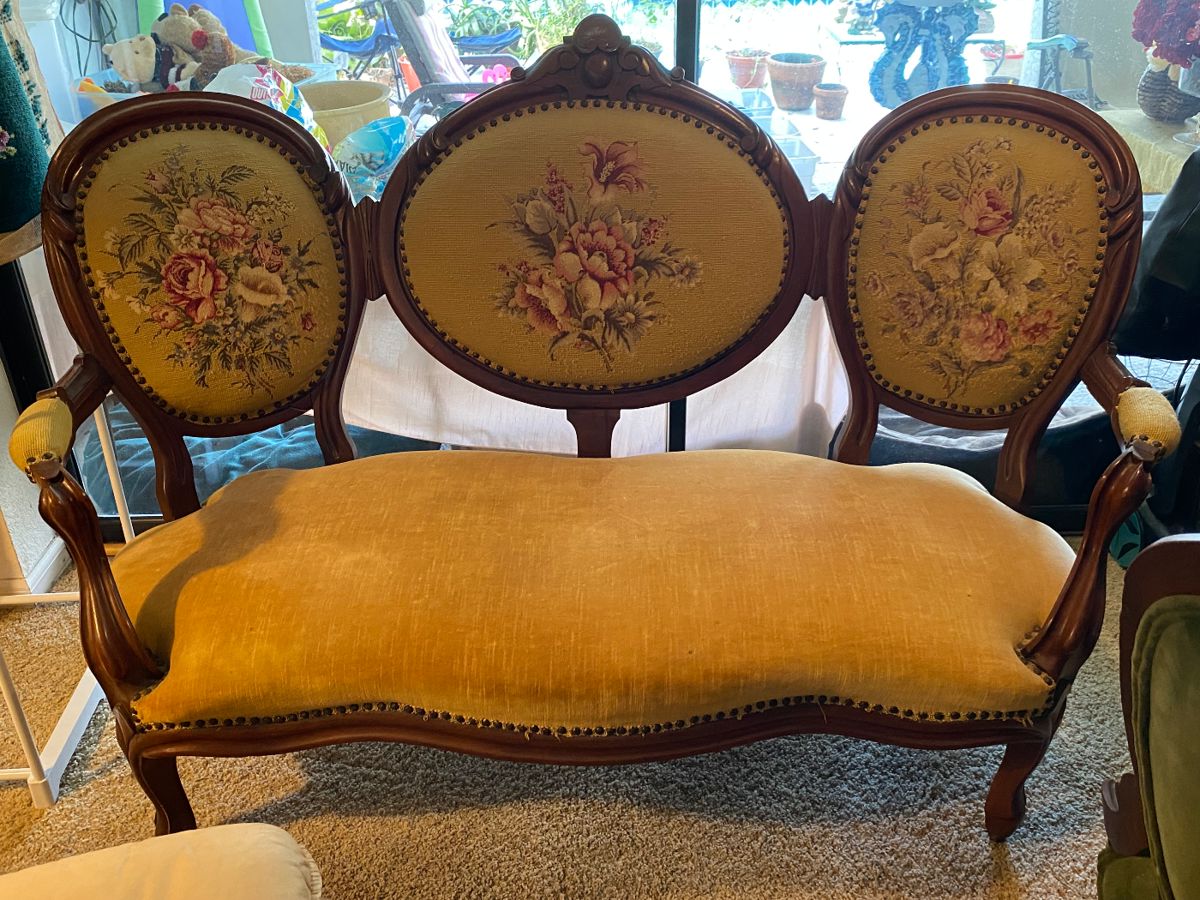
pixel 594 247
pixel 214 268
pixel 973 262
pixel 521 604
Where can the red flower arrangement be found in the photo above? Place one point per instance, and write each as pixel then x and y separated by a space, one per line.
pixel 1171 27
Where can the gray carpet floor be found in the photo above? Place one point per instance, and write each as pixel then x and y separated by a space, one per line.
pixel 802 817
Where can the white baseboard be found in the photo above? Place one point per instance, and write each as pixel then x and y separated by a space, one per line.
pixel 52 563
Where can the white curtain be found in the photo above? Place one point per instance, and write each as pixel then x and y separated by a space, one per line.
pixel 789 398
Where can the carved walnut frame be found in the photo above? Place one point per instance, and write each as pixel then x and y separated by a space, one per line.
pixel 596 63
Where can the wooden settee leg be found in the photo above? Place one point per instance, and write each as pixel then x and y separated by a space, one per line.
pixel 159 778
pixel 1005 806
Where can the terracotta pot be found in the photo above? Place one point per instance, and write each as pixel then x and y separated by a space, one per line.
pixel 1160 98
pixel 830 99
pixel 747 71
pixel 793 76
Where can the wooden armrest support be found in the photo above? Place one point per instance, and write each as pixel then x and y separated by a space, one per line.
pixel 111 646
pixel 46 430
pixel 40 442
pixel 1070 631
pixel 1138 411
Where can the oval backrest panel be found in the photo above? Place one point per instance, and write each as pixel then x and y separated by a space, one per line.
pixel 974 259
pixel 594 245
pixel 212 264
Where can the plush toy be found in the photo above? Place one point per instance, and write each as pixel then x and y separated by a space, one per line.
pixel 219 52
pixel 179 31
pixel 190 30
pixel 149 64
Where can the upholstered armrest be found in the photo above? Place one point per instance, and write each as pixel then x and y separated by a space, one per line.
pixel 43 431
pixel 1143 413
pixel 1138 411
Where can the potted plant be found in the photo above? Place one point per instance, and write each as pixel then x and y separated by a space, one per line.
pixel 747 67
pixel 830 98
pixel 793 77
pixel 1170 30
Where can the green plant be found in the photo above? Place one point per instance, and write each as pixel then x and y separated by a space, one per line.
pixel 544 23
pixel 352 25
pixel 470 18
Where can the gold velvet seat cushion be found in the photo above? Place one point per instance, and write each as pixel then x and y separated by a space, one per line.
pixel 559 592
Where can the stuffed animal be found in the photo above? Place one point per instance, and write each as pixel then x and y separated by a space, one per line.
pixel 152 66
pixel 189 31
pixel 179 31
pixel 219 52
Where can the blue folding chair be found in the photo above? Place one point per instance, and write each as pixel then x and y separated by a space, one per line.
pixel 382 42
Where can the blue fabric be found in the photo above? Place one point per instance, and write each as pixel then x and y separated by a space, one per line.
pixel 368 48
pixel 486 43
pixel 217 461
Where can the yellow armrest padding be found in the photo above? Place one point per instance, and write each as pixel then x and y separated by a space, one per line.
pixel 1143 412
pixel 43 431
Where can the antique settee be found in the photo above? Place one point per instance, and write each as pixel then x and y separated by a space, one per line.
pixel 596 235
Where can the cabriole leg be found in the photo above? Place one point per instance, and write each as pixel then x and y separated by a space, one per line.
pixel 1005 807
pixel 159 778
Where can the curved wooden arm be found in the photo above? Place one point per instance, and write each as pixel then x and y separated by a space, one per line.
pixel 83 388
pixel 111 646
pixel 1135 408
pixel 47 428
pixel 1071 629
pixel 1106 378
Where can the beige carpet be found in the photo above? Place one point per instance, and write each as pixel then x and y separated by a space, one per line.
pixel 811 817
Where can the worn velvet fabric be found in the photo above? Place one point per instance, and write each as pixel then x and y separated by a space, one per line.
pixel 1166 715
pixel 43 431
pixel 1126 877
pixel 1145 413
pixel 560 592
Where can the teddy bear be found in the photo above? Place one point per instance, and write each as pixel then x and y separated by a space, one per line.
pixel 217 53
pixel 190 30
pixel 152 66
pixel 179 31
pixel 213 25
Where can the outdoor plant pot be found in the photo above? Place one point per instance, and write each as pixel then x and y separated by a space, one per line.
pixel 830 98
pixel 747 68
pixel 341 107
pixel 793 76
